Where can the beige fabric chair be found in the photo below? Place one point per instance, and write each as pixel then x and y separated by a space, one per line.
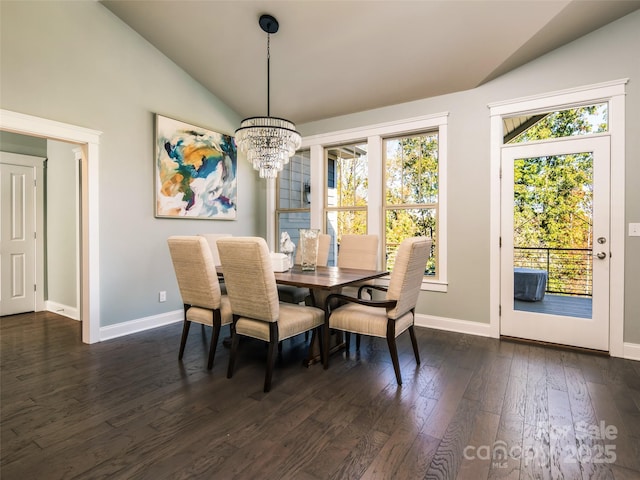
pixel 356 251
pixel 199 288
pixel 390 317
pixel 252 290
pixel 293 294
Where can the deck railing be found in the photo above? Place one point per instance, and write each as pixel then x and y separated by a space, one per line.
pixel 569 270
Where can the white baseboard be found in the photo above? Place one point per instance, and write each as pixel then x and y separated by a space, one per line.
pixel 632 351
pixel 454 325
pixel 60 309
pixel 140 324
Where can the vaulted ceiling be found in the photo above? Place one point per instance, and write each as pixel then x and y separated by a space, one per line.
pixel 336 57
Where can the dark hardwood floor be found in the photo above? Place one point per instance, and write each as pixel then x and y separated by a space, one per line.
pixel 475 408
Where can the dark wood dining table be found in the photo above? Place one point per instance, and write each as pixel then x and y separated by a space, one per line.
pixel 332 279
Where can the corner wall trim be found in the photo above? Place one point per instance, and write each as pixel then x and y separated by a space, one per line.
pixel 61 309
pixel 140 324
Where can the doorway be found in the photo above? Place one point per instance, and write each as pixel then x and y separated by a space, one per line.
pixel 613 94
pixel 555 242
pixel 88 141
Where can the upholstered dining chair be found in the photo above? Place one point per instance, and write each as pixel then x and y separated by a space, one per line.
pixel 355 251
pixel 199 288
pixel 390 317
pixel 257 312
pixel 293 294
pixel 358 251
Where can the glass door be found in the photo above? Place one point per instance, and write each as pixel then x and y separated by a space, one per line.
pixel 554 234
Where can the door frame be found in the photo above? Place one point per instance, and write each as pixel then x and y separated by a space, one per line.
pixel 88 140
pixel 614 94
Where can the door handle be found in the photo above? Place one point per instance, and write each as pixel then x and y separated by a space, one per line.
pixel 601 255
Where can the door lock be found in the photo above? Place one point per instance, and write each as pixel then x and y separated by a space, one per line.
pixel 602 240
pixel 601 255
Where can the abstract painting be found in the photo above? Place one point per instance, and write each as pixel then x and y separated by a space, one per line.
pixel 195 172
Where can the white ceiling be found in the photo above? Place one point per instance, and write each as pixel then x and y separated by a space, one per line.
pixel 336 57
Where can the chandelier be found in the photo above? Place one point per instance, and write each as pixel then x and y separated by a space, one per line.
pixel 268 141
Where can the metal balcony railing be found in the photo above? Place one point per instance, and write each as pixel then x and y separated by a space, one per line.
pixel 569 270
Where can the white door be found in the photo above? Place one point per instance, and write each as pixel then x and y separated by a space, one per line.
pixel 555 242
pixel 17 239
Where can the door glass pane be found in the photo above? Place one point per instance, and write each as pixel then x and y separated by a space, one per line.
pixel 552 234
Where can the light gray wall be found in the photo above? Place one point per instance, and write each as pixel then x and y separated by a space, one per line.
pixel 23 144
pixel 61 219
pixel 608 54
pixel 76 62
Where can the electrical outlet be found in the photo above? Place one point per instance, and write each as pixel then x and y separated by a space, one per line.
pixel 162 297
pixel 634 229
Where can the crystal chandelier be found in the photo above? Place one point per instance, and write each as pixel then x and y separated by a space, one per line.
pixel 268 141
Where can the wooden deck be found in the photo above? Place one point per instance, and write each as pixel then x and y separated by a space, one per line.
pixel 571 306
pixel 475 408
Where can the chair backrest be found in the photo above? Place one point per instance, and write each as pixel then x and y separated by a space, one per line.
pixel 407 274
pixel 212 238
pixel 248 275
pixel 324 241
pixel 195 271
pixel 358 251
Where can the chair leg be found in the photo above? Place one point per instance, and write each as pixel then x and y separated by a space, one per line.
pixel 414 342
pixel 317 337
pixel 391 341
pixel 183 340
pixel 358 342
pixel 234 351
pixel 217 320
pixel 347 342
pixel 273 342
pixel 324 344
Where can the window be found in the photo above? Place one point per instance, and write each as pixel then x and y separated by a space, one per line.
pixel 292 193
pixel 347 193
pixel 411 193
pixel 358 193
pixel 584 120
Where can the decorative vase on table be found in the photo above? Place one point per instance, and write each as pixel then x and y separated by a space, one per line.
pixel 308 245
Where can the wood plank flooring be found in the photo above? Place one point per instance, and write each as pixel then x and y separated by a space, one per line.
pixel 475 408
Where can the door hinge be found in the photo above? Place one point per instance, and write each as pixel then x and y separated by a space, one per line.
pixel 35 287
pixel 500 242
pixel 499 310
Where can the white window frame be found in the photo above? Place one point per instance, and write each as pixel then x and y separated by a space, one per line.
pixel 374 134
pixel 612 93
